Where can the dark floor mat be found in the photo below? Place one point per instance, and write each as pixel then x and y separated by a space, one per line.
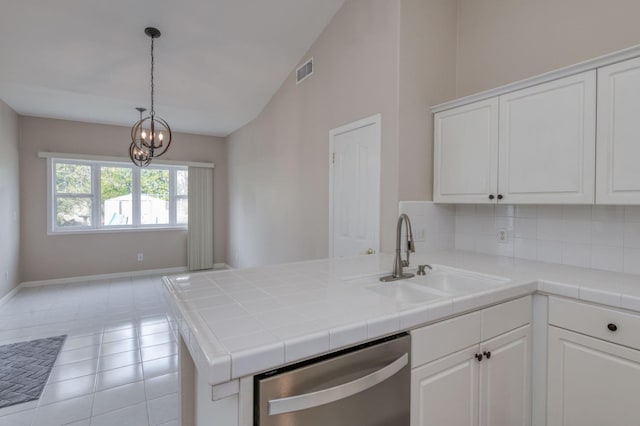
pixel 25 368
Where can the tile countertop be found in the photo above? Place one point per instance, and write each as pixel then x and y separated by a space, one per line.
pixel 240 322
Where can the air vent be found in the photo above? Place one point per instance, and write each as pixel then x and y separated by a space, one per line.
pixel 305 71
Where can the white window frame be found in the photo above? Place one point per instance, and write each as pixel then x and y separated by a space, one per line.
pixel 96 202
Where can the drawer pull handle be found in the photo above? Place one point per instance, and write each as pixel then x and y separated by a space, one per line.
pixel 479 357
pixel 612 327
pixel 488 355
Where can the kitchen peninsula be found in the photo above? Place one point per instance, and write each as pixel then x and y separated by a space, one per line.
pixel 237 323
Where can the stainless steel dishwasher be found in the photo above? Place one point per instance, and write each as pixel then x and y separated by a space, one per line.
pixel 368 385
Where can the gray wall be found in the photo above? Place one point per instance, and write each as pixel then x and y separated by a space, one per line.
pixel 45 256
pixel 279 163
pixel 501 41
pixel 427 63
pixel 9 200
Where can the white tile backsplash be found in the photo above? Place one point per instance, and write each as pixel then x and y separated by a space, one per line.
pixel 433 224
pixel 600 237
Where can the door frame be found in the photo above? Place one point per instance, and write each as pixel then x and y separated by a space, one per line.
pixel 376 121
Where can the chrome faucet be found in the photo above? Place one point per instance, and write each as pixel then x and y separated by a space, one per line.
pixel 399 262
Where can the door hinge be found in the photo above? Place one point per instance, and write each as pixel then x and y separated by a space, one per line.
pixel 333 158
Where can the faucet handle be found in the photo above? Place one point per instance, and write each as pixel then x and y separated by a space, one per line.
pixel 405 263
pixel 421 269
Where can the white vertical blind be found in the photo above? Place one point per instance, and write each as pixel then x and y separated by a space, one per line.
pixel 200 241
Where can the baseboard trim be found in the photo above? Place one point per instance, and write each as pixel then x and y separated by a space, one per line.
pixel 221 266
pixel 4 299
pixel 85 278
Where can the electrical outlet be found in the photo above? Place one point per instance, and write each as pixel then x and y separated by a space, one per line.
pixel 502 236
pixel 419 235
pixel 140 257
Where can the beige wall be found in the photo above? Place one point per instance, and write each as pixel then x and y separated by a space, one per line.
pixel 279 163
pixel 9 200
pixel 45 256
pixel 427 63
pixel 501 41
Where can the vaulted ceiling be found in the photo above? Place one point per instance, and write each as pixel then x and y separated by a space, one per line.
pixel 218 62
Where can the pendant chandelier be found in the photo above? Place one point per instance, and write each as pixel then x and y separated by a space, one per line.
pixel 151 135
pixel 138 152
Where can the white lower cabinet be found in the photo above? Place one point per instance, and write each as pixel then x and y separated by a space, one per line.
pixel 593 375
pixel 591 382
pixel 485 381
pixel 445 392
pixel 505 379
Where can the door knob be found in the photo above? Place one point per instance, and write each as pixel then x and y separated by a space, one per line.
pixel 371 251
pixel 479 357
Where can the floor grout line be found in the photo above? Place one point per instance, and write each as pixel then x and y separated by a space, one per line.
pixel 136 305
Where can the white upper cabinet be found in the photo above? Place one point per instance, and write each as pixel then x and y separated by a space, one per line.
pixel 466 153
pixel 547 142
pixel 618 165
pixel 535 145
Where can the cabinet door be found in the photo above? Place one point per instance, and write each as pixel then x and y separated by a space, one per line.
pixel 618 173
pixel 505 379
pixel 591 382
pixel 466 153
pixel 445 392
pixel 547 142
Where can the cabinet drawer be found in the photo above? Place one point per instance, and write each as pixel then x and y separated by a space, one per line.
pixel 595 321
pixel 505 317
pixel 440 339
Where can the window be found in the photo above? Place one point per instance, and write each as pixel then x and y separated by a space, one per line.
pixel 97 195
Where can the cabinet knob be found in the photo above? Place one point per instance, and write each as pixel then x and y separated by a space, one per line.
pixel 479 357
pixel 487 354
pixel 491 196
pixel 612 327
pixel 500 197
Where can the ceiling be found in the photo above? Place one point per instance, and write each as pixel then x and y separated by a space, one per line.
pixel 218 62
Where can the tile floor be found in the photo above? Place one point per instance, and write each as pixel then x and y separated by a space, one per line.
pixel 118 365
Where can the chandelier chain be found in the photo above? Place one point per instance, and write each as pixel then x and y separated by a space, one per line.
pixel 152 112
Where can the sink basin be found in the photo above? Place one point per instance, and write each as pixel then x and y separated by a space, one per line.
pixel 456 281
pixel 407 292
pixel 441 281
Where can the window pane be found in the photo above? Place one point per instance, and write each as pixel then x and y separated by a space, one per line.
pixel 73 212
pixel 154 197
pixel 73 179
pixel 116 195
pixel 182 211
pixel 182 184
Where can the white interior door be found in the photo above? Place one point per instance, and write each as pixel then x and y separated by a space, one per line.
pixel 354 209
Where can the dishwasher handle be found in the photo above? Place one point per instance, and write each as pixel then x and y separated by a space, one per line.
pixel 326 396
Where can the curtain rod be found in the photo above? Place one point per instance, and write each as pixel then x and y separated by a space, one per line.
pixel 121 159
